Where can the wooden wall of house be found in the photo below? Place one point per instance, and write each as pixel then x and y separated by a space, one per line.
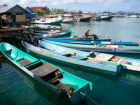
pixel 20 18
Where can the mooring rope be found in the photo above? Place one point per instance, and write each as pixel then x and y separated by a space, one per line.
pixel 87 96
pixel 93 100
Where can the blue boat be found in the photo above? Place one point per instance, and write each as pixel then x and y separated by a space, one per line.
pixel 114 49
pixel 91 42
pixel 46 73
pixel 67 55
pixel 127 63
pixel 75 41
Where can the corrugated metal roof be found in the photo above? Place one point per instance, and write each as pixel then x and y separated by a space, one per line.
pixel 5 9
pixel 2 5
pixel 29 9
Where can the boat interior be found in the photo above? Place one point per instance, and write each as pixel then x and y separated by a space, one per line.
pixel 46 72
pixel 75 55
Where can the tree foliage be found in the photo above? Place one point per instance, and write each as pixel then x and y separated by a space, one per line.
pixel 47 8
pixel 39 13
pixel 57 10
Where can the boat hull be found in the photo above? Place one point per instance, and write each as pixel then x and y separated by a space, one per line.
pixel 101 48
pixel 11 30
pixel 49 22
pixel 84 84
pixel 109 68
pixel 85 19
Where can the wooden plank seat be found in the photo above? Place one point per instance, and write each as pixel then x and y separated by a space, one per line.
pixel 24 62
pixel 63 86
pixel 93 61
pixel 54 79
pixel 44 70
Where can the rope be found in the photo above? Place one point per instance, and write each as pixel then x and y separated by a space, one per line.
pixel 88 97
pixel 92 100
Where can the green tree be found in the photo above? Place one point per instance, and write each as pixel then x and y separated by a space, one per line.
pixel 39 13
pixel 47 8
pixel 57 10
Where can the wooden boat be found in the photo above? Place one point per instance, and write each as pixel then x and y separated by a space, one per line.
pixel 127 63
pixel 90 37
pixel 52 31
pixel 96 41
pixel 48 27
pixel 108 43
pixel 66 55
pixel 46 73
pixel 84 19
pixel 73 41
pixel 11 30
pixel 56 33
pixel 103 16
pixel 101 48
pixel 43 21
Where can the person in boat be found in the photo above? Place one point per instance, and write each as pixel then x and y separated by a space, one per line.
pixel 87 33
pixel 65 93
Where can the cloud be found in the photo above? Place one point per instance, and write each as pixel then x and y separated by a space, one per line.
pixel 2 2
pixel 65 2
pixel 128 6
pixel 25 2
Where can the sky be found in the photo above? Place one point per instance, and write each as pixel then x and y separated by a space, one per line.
pixel 93 6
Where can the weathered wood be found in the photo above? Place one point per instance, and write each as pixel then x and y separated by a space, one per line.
pixel 24 62
pixel 63 86
pixel 44 70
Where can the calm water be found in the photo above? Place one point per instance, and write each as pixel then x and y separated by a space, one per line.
pixel 16 87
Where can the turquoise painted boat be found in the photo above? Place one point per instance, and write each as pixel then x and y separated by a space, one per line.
pixel 75 41
pixel 54 34
pixel 115 49
pixel 127 63
pixel 67 55
pixel 94 42
pixel 46 73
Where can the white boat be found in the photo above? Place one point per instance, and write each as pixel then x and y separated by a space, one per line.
pixel 103 16
pixel 132 16
pixel 47 21
pixel 67 18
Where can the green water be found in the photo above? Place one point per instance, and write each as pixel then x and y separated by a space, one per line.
pixel 16 87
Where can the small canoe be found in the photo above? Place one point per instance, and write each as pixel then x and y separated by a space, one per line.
pixel 11 30
pixel 47 27
pixel 94 42
pixel 118 49
pixel 127 63
pixel 67 56
pixel 74 41
pixel 50 22
pixel 56 34
pixel 84 19
pixel 46 73
pixel 83 38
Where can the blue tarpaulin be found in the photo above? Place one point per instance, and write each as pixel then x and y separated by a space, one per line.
pixel 28 15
